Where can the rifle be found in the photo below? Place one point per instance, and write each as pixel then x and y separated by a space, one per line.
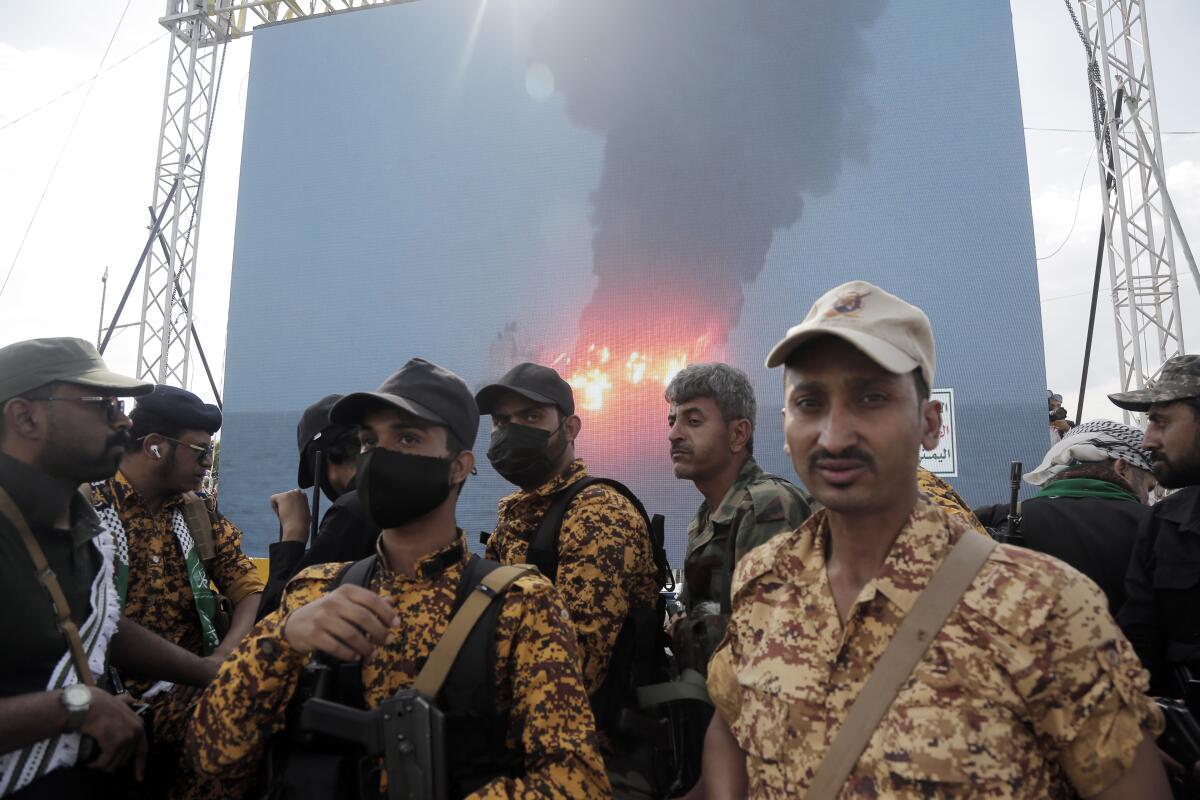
pixel 1011 533
pixel 406 730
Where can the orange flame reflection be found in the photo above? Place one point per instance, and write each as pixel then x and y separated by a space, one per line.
pixel 601 369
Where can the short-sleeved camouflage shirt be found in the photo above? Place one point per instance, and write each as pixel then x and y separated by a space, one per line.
pixel 757 507
pixel 537 677
pixel 605 561
pixel 1028 686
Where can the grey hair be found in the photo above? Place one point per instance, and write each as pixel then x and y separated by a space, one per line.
pixel 728 386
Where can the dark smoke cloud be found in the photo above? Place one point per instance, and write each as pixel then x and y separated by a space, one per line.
pixel 718 117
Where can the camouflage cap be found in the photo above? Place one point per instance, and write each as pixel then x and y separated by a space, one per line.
pixel 1179 379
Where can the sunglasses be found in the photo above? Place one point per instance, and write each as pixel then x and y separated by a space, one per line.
pixel 114 407
pixel 202 451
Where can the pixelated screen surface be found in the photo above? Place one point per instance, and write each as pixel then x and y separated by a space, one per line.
pixel 617 189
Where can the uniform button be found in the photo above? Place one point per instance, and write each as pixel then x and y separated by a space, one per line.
pixel 1113 658
pixel 154 559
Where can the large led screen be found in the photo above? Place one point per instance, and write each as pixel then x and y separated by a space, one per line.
pixel 617 189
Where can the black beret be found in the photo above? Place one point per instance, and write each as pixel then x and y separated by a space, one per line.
pixel 181 408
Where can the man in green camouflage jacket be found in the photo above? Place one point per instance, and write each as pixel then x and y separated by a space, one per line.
pixel 712 419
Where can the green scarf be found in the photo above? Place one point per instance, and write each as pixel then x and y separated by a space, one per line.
pixel 1085 487
pixel 206 602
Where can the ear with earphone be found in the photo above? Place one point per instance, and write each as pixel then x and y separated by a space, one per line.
pixel 154 451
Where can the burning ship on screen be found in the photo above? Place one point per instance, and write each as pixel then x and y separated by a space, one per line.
pixel 716 125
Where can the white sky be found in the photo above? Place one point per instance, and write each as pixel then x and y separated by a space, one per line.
pixel 94 213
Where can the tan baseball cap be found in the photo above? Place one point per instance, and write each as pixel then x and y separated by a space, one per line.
pixel 894 334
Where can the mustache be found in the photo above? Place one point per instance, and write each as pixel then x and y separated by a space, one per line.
pixel 680 449
pixel 849 454
pixel 119 439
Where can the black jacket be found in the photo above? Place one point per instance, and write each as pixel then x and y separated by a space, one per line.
pixel 1095 535
pixel 1161 616
pixel 346 534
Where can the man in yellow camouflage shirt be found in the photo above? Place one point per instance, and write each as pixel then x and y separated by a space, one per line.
pixel 163 573
pixel 600 555
pixel 1027 691
pixel 416 431
pixel 605 566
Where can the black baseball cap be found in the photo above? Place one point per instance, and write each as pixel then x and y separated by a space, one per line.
pixel 539 384
pixel 423 389
pixel 315 427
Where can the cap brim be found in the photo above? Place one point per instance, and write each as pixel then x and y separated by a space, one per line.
pixel 351 409
pixel 883 353
pixel 114 384
pixel 1142 399
pixel 486 397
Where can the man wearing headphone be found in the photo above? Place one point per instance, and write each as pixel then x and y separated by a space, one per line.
pixel 171 544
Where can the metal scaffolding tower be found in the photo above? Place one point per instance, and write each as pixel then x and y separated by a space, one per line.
pixel 1138 216
pixel 168 291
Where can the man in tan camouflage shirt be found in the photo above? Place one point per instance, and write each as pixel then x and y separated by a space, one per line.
pixel 1027 691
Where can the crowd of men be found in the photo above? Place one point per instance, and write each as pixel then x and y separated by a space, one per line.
pixel 864 636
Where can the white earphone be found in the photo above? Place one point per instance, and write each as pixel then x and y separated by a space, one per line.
pixel 155 451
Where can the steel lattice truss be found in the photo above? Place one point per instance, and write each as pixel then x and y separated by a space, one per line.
pixel 197 27
pixel 1141 250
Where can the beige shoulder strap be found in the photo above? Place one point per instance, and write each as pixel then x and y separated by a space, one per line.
pixel 437 667
pixel 199 523
pixel 912 639
pixel 46 576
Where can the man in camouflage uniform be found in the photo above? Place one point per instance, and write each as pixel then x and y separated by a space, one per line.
pixel 163 577
pixel 712 418
pixel 1163 582
pixel 605 563
pixel 417 431
pixel 1028 689
pixel 605 570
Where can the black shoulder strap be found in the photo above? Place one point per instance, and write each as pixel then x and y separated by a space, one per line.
pixel 359 573
pixel 543 547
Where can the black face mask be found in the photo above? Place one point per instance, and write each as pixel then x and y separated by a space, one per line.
pixel 520 454
pixel 396 488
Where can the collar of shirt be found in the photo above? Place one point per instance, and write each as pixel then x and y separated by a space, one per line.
pixel 725 512
pixel 130 500
pixel 39 498
pixel 576 471
pixel 433 564
pixel 917 551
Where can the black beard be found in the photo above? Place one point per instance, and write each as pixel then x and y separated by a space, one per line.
pixel 1176 476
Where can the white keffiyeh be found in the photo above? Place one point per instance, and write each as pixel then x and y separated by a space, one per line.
pixel 22 767
pixel 1090 443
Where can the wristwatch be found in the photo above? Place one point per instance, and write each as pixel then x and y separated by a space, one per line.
pixel 77 699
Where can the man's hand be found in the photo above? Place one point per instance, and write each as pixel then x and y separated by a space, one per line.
pixel 294 518
pixel 118 732
pixel 348 623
